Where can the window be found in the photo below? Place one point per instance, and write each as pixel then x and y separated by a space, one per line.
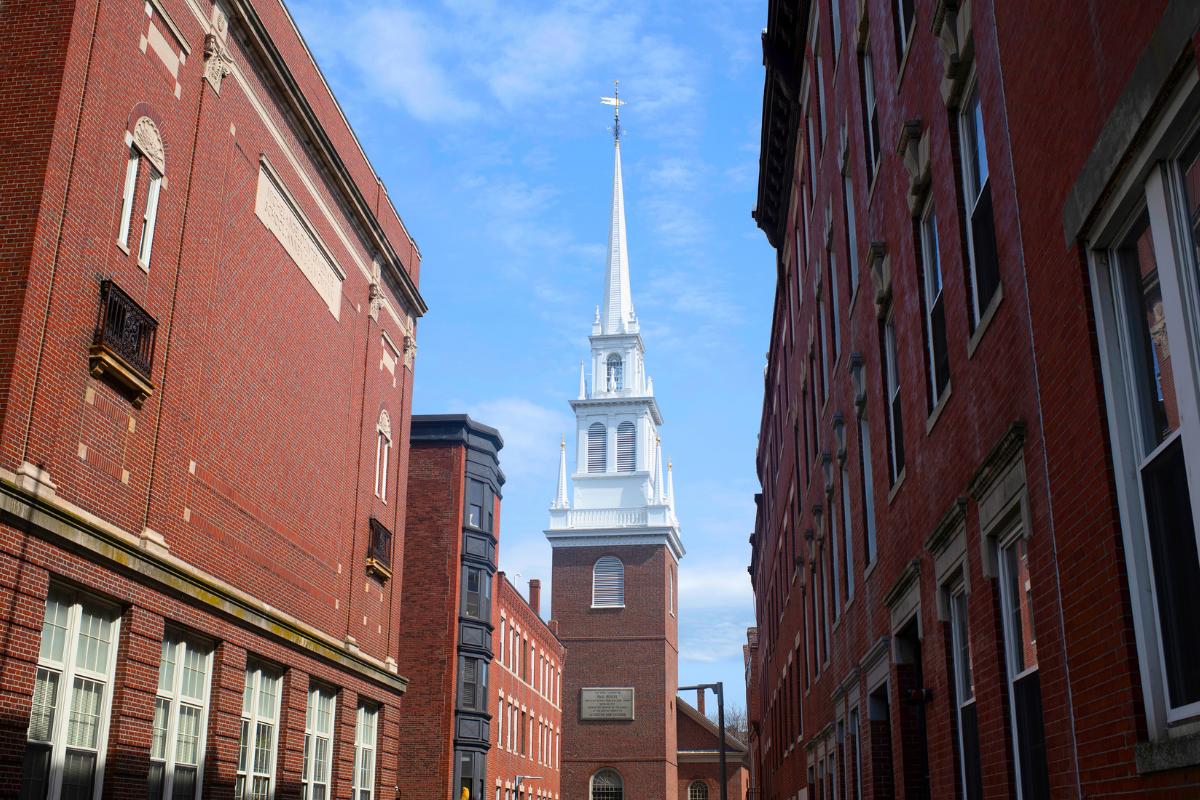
pixel 851 237
pixel 180 719
pixel 597 448
pixel 824 359
pixel 856 756
pixel 614 383
pixel 626 447
pixel 477 593
pixel 131 171
pixel 880 739
pixel 364 753
pixel 849 568
pixel 608 583
pixel 256 747
pixel 935 309
pixel 318 743
pixel 837 562
pixel 147 241
pixel 698 790
pixel 78 650
pixel 906 18
pixel 820 76
pixel 964 685
pixel 524 734
pixel 480 505
pixel 383 447
pixel 837 32
pixel 833 304
pixel 671 590
pixel 472 683
pixel 895 419
pixel 470 772
pixel 870 114
pixel 503 625
pixel 981 230
pixel 1025 691
pixel 607 785
pixel 812 161
pixel 864 460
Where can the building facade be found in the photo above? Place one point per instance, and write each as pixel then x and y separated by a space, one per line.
pixel 699 756
pixel 526 679
pixel 446 623
pixel 616 547
pixel 197 602
pixel 975 539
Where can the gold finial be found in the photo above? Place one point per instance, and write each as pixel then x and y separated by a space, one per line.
pixel 657 440
pixel 616 102
pixel 668 463
pixel 564 443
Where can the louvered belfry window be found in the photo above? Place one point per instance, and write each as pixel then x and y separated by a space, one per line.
pixel 626 447
pixel 597 447
pixel 608 583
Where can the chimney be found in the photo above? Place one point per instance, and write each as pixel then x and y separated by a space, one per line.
pixel 700 701
pixel 535 595
pixel 553 626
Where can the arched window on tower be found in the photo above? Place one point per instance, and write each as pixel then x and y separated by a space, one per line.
pixel 608 583
pixel 146 145
pixel 614 373
pixel 607 785
pixel 698 790
pixel 597 447
pixel 626 447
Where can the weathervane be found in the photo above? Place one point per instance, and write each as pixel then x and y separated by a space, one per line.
pixel 616 102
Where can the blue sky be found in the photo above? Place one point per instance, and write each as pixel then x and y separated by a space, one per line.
pixel 483 119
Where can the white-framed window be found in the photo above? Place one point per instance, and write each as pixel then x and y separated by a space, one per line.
pixel 72 698
pixel 383 449
pixel 607 784
pixel 260 727
pixel 1021 663
pixel 597 449
pixel 846 531
pixel 964 685
pixel 180 719
pixel 836 16
pixel 837 562
pixel 864 460
pixel 364 752
pixel 851 236
pixel 820 76
pixel 870 114
pixel 608 583
pixel 503 629
pixel 977 191
pixel 698 790
pixel 935 306
pixel 895 417
pixel 131 173
pixel 148 220
pixel 833 303
pixel 906 18
pixel 824 353
pixel 626 447
pixel 614 369
pixel 1147 273
pixel 812 160
pixel 318 742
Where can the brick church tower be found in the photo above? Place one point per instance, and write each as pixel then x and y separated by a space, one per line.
pixel 616 550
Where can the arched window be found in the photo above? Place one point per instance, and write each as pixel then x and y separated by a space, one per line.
pixel 608 583
pixel 146 144
pixel 671 590
pixel 626 447
pixel 383 447
pixel 698 790
pixel 607 784
pixel 614 373
pixel 597 447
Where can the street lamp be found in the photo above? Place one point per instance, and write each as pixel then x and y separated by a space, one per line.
pixel 719 688
pixel 521 778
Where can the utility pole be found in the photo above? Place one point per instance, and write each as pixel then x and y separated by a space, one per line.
pixel 719 688
pixel 521 779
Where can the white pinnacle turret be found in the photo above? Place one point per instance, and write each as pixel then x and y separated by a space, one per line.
pixel 582 383
pixel 670 490
pixel 658 496
pixel 560 499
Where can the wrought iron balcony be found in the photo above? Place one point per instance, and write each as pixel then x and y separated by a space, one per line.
pixel 379 550
pixel 123 344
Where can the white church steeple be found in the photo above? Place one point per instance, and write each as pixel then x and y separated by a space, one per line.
pixel 619 490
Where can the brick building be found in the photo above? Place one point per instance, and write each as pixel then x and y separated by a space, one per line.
pixel 199 262
pixel 446 623
pixel 975 562
pixel 526 682
pixel 699 756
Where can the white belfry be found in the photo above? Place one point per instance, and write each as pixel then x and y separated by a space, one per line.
pixel 619 496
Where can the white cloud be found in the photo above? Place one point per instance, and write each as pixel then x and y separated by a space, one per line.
pixel 714 586
pixel 531 438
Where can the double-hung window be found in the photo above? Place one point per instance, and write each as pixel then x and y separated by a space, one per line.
pixel 180 719
pixel 849 568
pixel 935 307
pixel 1148 300
pixel 820 77
pixel 260 727
pixel 864 460
pixel 72 698
pixel 964 684
pixel 906 18
pixel 833 302
pixel 318 742
pixel 851 238
pixel 977 189
pixel 870 114
pixel 895 418
pixel 364 753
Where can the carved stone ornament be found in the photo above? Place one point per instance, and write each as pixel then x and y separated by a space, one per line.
pixel 839 435
pixel 860 388
pixel 375 296
pixel 385 424
pixel 914 148
pixel 881 276
pixel 952 25
pixel 148 140
pixel 410 350
pixel 217 61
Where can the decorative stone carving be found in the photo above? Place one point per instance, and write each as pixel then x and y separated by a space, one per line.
pixel 217 61
pixel 952 25
pixel 410 352
pixel 862 24
pixel 881 276
pixel 220 22
pixel 839 435
pixel 384 425
pixel 147 139
pixel 860 387
pixel 914 147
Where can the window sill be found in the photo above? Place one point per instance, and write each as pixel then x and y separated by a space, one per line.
pixel 936 414
pixel 124 248
pixel 896 486
pixel 853 297
pixel 870 568
pixel 617 608
pixel 144 266
pixel 874 179
pixel 985 321
pixel 904 58
pixel 1167 754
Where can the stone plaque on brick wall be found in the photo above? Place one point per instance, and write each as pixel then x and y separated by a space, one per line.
pixel 606 704
pixel 290 228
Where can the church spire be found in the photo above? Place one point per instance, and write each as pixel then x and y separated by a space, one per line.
pixel 560 499
pixel 617 313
